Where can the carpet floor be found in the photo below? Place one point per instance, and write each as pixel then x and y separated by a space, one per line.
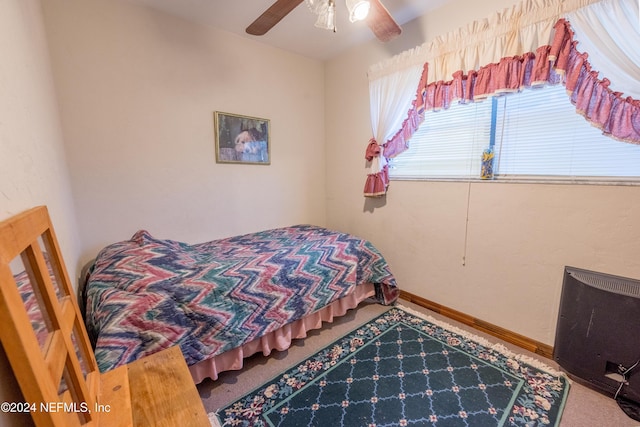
pixel 404 368
pixel 584 406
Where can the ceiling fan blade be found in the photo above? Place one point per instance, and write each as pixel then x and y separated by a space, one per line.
pixel 272 16
pixel 381 22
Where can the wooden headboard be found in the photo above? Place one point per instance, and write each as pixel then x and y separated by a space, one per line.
pixel 46 343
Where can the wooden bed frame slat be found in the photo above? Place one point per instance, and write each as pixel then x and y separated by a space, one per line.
pixel 25 350
pixel 18 231
pixel 164 393
pixel 56 357
pixel 115 391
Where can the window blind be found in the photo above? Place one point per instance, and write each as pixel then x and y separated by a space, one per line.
pixel 448 144
pixel 540 133
pixel 537 134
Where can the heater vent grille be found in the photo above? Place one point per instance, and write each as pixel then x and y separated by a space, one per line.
pixel 608 283
pixel 597 332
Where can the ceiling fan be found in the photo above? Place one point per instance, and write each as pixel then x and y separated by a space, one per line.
pixel 372 12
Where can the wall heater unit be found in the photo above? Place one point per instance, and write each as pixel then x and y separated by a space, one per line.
pixel 598 334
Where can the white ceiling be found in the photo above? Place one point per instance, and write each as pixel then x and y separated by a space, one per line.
pixel 296 32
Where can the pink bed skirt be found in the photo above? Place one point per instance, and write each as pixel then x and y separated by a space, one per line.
pixel 281 338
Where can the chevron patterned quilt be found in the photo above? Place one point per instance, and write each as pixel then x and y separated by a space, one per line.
pixel 147 294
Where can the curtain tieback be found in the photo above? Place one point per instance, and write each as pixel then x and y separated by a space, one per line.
pixel 373 150
pixel 374 154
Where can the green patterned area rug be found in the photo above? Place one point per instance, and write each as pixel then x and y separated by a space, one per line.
pixel 404 368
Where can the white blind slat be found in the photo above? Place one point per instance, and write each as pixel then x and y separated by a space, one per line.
pixel 538 134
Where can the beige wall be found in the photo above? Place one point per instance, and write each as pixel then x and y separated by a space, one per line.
pixel 33 170
pixel 137 90
pixel 520 236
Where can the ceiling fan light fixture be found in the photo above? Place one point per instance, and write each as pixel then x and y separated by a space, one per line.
pixel 358 9
pixel 316 6
pixel 327 17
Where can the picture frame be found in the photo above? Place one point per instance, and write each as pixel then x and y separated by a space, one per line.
pixel 242 139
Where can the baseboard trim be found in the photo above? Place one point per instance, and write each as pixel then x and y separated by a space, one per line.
pixel 497 331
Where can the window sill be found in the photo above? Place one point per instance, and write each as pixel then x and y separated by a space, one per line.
pixel 530 180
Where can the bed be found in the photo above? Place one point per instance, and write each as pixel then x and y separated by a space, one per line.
pixel 226 299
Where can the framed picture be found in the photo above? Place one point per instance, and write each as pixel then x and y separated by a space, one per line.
pixel 242 139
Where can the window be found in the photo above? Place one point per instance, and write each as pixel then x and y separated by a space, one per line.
pixel 535 134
